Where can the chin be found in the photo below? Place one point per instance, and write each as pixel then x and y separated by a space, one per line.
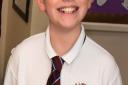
pixel 70 26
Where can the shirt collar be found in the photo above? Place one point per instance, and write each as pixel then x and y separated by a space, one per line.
pixel 50 51
pixel 72 53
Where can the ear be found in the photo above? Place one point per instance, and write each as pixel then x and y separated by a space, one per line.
pixel 90 3
pixel 41 5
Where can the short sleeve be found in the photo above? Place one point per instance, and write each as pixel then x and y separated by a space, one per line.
pixel 117 80
pixel 11 71
pixel 111 73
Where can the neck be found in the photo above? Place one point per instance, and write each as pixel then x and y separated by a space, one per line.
pixel 63 40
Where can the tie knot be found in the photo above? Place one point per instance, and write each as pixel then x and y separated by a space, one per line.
pixel 57 63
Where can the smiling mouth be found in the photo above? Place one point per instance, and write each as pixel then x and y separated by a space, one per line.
pixel 68 10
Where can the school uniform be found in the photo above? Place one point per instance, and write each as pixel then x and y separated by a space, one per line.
pixel 86 63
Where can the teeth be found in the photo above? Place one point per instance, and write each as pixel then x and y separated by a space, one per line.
pixel 68 10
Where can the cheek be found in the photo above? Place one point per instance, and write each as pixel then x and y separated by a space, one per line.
pixel 48 6
pixel 85 3
pixel 51 2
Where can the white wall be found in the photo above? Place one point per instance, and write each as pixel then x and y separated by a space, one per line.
pixel 39 20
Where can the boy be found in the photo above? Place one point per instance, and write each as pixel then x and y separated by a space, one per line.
pixel 64 54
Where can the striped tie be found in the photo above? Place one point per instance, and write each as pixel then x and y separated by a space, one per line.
pixel 54 78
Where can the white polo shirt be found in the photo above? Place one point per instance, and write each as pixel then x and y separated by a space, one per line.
pixel 74 51
pixel 85 64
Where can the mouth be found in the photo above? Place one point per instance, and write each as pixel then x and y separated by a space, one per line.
pixel 68 10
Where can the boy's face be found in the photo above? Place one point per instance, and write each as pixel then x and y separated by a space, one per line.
pixel 65 13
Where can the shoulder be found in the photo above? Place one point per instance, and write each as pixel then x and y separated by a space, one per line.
pixel 24 52
pixel 99 58
pixel 97 53
pixel 29 46
pixel 32 41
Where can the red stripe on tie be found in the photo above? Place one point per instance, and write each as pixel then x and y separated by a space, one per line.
pixel 54 78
